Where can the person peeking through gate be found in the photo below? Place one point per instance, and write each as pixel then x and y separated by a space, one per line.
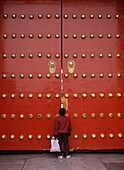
pixel 62 132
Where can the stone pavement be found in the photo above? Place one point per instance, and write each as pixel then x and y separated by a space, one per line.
pixel 49 161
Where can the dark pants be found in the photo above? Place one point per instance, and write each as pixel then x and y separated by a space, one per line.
pixel 63 139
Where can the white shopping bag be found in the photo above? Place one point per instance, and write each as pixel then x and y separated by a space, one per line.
pixel 54 145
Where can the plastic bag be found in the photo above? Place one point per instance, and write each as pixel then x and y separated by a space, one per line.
pixel 54 145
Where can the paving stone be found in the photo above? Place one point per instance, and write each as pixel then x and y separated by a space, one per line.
pixel 114 166
pixel 49 161
pixel 76 162
pixel 11 164
pixel 116 159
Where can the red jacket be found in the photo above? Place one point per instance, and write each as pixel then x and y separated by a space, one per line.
pixel 62 125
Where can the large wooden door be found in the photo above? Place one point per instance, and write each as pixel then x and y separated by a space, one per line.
pixel 30 64
pixel 93 63
pixel 61 53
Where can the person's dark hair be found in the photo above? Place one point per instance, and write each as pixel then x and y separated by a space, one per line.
pixel 62 111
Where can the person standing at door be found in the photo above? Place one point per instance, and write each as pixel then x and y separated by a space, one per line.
pixel 62 132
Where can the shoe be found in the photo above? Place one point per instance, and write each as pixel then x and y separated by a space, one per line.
pixel 68 156
pixel 60 157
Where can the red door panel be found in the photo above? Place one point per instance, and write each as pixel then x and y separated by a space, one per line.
pixel 31 67
pixel 30 92
pixel 92 38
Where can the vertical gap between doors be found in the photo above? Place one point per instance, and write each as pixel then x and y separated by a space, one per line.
pixel 61 83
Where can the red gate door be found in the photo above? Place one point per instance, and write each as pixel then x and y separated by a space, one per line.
pixel 93 65
pixel 29 73
pixel 30 68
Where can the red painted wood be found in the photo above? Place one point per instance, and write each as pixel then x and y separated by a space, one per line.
pixel 94 65
pixel 104 57
pixel 36 65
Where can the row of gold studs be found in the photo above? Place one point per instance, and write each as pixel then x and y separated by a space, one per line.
pixel 101 115
pixel 92 55
pixel 75 55
pixel 75 95
pixel 66 16
pixel 82 36
pixel 30 36
pixel 22 95
pixel 101 75
pixel 22 55
pixel 30 16
pixel 92 16
pixel 30 116
pixel 75 115
pixel 76 136
pixel 29 76
pixel 102 135
pixel 93 95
